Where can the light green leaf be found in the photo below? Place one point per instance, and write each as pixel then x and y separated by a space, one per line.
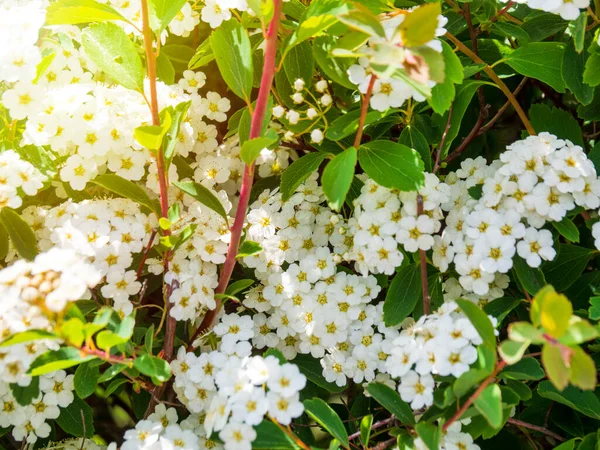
pixel 333 68
pixel 151 136
pixel 233 52
pixel 591 74
pixel 582 370
pixel 252 147
pixel 322 413
pixel 512 351
pixel 127 189
pixel 72 12
pixel 204 55
pixel 556 369
pixel 540 60
pixel 162 12
pixel 27 336
pixel 418 27
pixel 365 429
pixel 392 165
pixel 319 16
pixel 43 66
pixel 248 248
pixel 203 195
pixel 489 404
pixel 429 434
pixel 171 137
pixel 109 47
pixel 238 286
pixel 391 401
pixel 54 360
pixel 21 235
pixel 165 71
pixel 337 177
pixel 594 310
pixel 403 294
pixel 347 124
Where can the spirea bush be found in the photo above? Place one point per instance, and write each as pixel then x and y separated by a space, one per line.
pixel 282 225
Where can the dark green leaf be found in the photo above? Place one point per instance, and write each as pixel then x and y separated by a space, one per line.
pixel 540 60
pixel 391 401
pixel 413 138
pixel 322 413
pixel 392 165
pixel 21 235
pixel 312 369
pixel 24 395
pixel 567 229
pixel 573 66
pixel 489 404
pixel 480 321
pixel 156 368
pixel 569 263
pixel 203 195
pixel 337 177
pixel 586 402
pixel 429 434
pixel 403 294
pixel 70 419
pixel 556 121
pixel 299 171
pixel 531 278
pixel 526 369
pixel 347 124
pixel 86 379
pixel 270 437
pixel 299 63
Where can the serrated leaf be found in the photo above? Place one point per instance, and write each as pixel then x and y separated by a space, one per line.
pixel 531 278
pixel 203 195
pixel 540 60
pixel 573 67
pixel 109 47
pixel 567 266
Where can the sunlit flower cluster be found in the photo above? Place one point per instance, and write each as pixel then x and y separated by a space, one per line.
pixel 17 178
pixel 567 9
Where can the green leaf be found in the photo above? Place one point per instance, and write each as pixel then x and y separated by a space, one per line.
pixel 238 286
pixel 513 351
pixel 391 401
pixel 418 27
pixel 251 148
pixel 402 295
pixel 567 229
pixel 443 94
pixel 594 310
pixel 319 16
pixel 525 332
pixel 112 372
pixel 501 307
pixel 591 74
pixel 365 429
pixel 468 380
pixel 567 266
pixel 121 334
pixel 333 68
pixel 510 30
pixel 299 63
pixel 72 12
pixel 413 138
pixel 480 321
pixel 86 379
pixel 392 165
pixel 270 437
pixel 248 248
pixel 525 369
pixel 556 121
pixel 347 124
pixel 24 395
pixel 429 434
pixel 312 369
pixel 162 12
pixel 489 404
pixel 540 60
pixel 114 385
pixel 156 368
pixel 337 177
pixel 557 370
pixel 21 235
pixel 573 66
pixel 568 445
pixel 127 189
pixel 586 402
pixel 540 26
pixel 277 354
pixel 54 360
pixel 322 413
pixel 4 242
pixel 531 278
pixel 171 119
pixel 582 370
pixel 233 52
pixel 165 71
pixel 204 55
pixel 43 66
pixel 298 172
pixel 109 47
pixel 151 136
pixel 203 195
pixel 27 336
pixel 70 419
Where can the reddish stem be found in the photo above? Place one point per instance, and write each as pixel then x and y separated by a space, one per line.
pixel 476 394
pixel 363 111
pixel 145 255
pixel 258 117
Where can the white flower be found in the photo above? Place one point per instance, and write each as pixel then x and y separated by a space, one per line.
pixel 316 136
pixel 417 389
pixel 535 246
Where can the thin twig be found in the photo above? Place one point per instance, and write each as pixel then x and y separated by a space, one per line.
pixel 443 141
pixel 423 262
pixel 385 444
pixel 501 111
pixel 376 425
pixel 490 72
pixel 502 11
pixel 145 255
pixel 499 366
pixel 84 429
pixel 363 111
pixel 467 140
pixel 533 427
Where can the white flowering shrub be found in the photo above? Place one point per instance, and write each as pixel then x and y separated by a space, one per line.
pixel 271 224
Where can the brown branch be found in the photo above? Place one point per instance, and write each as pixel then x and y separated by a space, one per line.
pixel 472 398
pixel 502 11
pixel 145 255
pixel 363 111
pixel 443 141
pixel 467 140
pixel 376 425
pixel 533 427
pixel 423 262
pixel 501 111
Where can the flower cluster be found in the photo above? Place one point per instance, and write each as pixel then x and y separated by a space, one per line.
pixel 233 391
pixel 537 180
pixel 452 439
pixel 567 9
pixel 30 422
pixel 17 177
